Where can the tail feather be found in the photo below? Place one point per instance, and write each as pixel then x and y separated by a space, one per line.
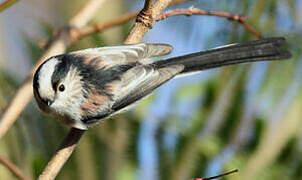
pixel 259 50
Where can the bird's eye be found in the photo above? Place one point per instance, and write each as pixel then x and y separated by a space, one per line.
pixel 61 87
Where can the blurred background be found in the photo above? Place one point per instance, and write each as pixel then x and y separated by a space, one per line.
pixel 245 117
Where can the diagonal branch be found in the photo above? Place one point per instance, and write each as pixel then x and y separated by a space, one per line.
pixel 252 30
pixel 7 4
pixel 62 154
pixel 13 168
pixel 145 20
pixel 99 27
pixel 57 46
pixel 218 176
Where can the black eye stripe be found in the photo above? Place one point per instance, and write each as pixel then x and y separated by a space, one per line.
pixel 36 84
pixel 36 77
pixel 60 72
pixel 93 76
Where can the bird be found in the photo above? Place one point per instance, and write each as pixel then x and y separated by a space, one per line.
pixel 82 88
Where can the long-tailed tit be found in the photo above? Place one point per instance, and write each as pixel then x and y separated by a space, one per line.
pixel 83 87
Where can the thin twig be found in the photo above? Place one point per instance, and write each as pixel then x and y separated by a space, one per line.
pixel 7 4
pixel 219 176
pixel 13 168
pixel 252 30
pixel 99 27
pixel 195 11
pixel 79 33
pixel 62 154
pixel 57 46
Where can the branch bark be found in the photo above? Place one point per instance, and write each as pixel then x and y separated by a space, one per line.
pixel 218 176
pixel 99 27
pixel 62 154
pixel 13 168
pixel 57 46
pixel 145 20
pixel 6 4
pixel 195 11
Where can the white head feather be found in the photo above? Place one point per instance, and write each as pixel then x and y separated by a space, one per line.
pixel 45 86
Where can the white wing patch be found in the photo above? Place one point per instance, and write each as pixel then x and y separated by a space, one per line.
pixel 117 55
pixel 224 46
pixel 45 87
pixel 139 82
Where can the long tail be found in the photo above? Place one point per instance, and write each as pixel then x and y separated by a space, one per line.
pixel 259 50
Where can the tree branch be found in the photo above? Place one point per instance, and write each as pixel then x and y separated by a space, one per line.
pixel 145 20
pixel 62 154
pixel 13 168
pixel 99 27
pixel 57 46
pixel 79 33
pixel 218 176
pixel 252 30
pixel 7 4
pixel 195 11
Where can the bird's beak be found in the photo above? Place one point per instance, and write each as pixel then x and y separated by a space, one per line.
pixel 49 102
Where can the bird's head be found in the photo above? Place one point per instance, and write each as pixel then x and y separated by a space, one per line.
pixel 58 89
